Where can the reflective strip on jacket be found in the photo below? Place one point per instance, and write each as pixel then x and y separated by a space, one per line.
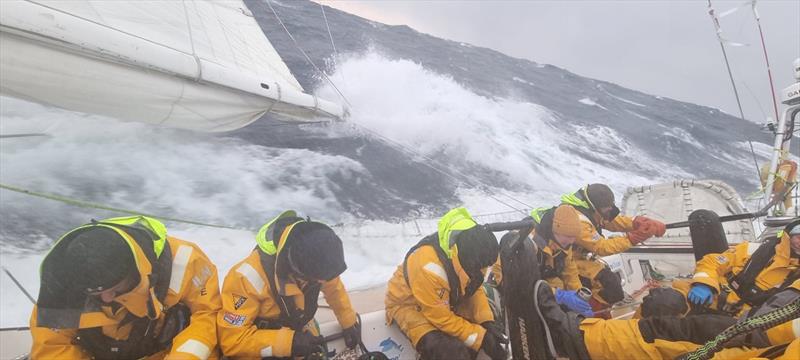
pixel 429 292
pixel 193 282
pixel 246 295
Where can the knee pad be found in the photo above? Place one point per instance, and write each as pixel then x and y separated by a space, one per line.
pixel 437 345
pixel 664 302
pixel 612 286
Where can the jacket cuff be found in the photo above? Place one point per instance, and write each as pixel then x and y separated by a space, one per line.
pixel 704 278
pixel 346 319
pixel 477 342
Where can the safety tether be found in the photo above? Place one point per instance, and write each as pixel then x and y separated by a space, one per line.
pixel 91 205
pixel 764 321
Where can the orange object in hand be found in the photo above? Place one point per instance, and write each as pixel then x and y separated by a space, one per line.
pixel 637 236
pixel 649 226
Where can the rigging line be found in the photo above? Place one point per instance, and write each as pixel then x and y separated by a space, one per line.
pixel 87 204
pixel 327 26
pixel 336 57
pixel 269 3
pixel 22 135
pixel 755 161
pixel 755 98
pixel 718 28
pixel 766 58
pixel 14 279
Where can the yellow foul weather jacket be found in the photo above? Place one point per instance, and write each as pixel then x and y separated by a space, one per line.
pixel 421 302
pixel 192 282
pixel 715 270
pixel 563 272
pixel 610 339
pixel 592 243
pixel 250 323
pixel 425 305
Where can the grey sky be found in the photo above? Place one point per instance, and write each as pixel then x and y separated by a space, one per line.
pixel 666 48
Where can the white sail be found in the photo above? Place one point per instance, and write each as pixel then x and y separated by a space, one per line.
pixel 193 64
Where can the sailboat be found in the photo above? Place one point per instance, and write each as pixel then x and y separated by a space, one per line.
pixel 207 66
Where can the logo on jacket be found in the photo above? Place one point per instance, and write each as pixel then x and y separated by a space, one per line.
pixel 234 319
pixel 238 301
pixel 440 293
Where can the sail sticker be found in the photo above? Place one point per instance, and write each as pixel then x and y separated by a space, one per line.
pixel 238 301
pixel 234 319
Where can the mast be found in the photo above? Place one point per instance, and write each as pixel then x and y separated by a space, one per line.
pixel 783 131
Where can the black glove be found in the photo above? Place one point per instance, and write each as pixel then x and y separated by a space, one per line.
pixel 493 340
pixel 352 335
pixel 176 319
pixel 304 344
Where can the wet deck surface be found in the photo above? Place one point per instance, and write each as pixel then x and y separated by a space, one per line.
pixel 364 301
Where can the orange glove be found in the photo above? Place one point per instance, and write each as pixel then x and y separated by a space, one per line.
pixel 650 226
pixel 658 228
pixel 637 236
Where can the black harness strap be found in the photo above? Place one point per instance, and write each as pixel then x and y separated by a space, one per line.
pixel 452 278
pixel 547 271
pixel 544 231
pixel 290 315
pixel 744 282
pixel 142 340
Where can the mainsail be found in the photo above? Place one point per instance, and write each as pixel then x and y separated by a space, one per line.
pixel 192 64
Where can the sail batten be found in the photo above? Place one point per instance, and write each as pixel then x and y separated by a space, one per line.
pixel 209 58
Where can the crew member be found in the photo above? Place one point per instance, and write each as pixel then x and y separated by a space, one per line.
pixel 595 205
pixel 122 288
pixel 269 299
pixel 435 295
pixel 747 274
pixel 554 234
